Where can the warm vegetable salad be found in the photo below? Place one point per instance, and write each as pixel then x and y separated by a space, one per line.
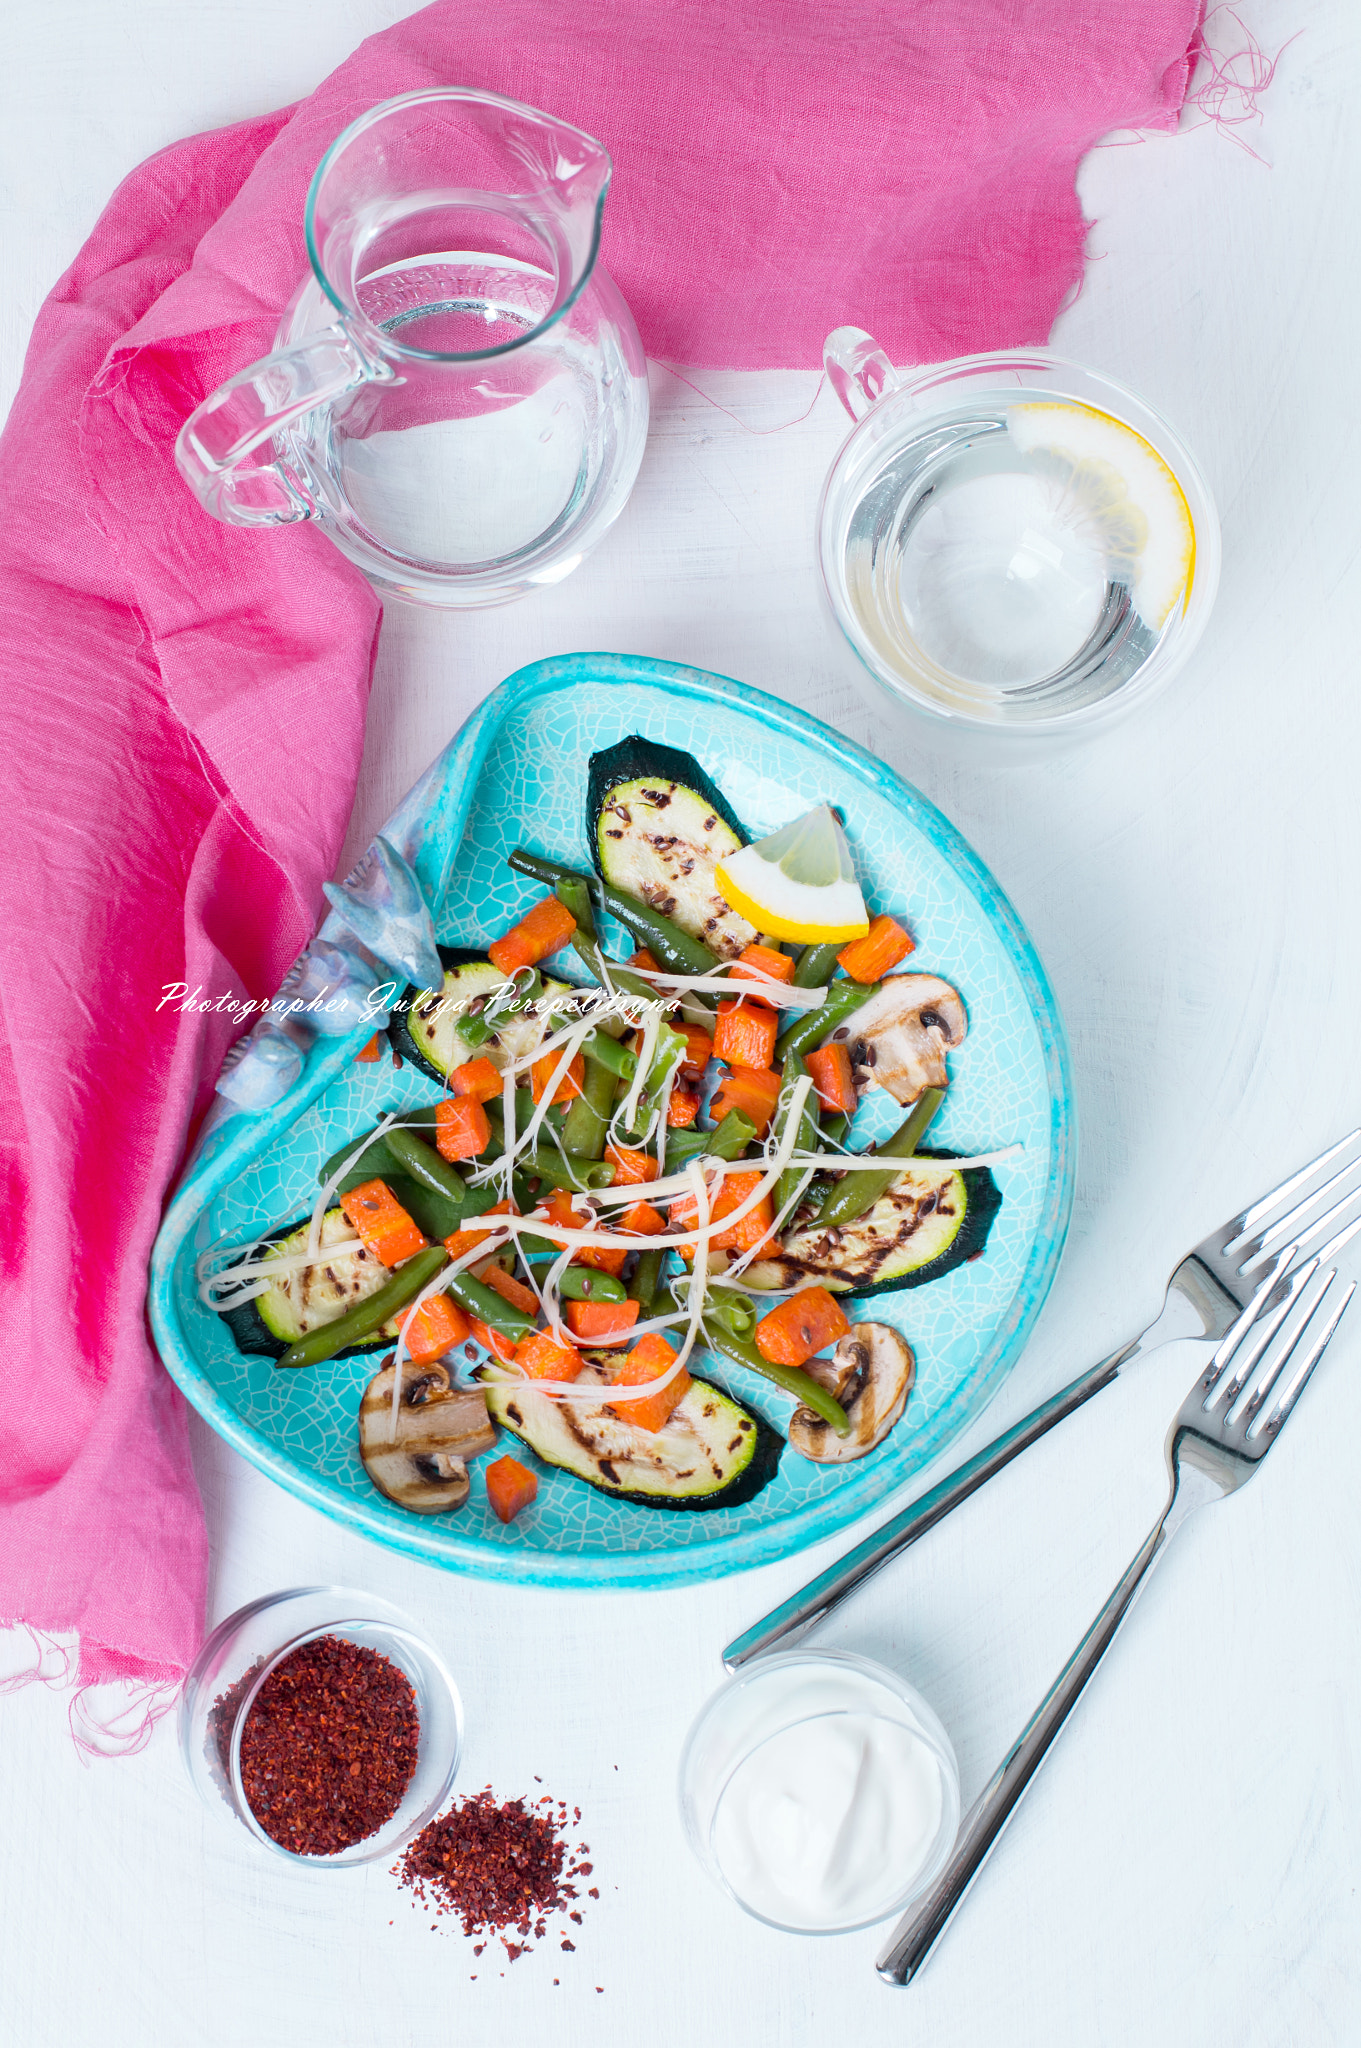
pixel 635 1162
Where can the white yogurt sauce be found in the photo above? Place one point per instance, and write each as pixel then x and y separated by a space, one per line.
pixel 831 1801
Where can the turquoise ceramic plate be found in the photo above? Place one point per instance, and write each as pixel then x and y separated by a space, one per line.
pixel 517 773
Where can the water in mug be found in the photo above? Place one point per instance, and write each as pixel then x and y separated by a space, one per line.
pixel 1024 546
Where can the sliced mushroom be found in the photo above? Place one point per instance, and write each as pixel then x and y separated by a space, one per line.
pixel 900 1037
pixel 419 1460
pixel 870 1373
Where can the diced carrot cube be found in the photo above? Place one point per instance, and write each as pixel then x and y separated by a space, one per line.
pixel 510 1487
pixel 754 1092
pixel 461 1127
pixel 373 1050
pixel 752 1230
pixel 699 1046
pixel 383 1224
pixel 648 1360
pixel 630 1165
pixel 596 1322
pixel 540 1357
pixel 805 1324
pixel 767 961
pixel 882 947
pixel 510 1289
pixel 541 931
pixel 745 1034
pixel 601 1258
pixel 558 1209
pixel 493 1341
pixel 433 1328
pixel 477 1078
pixel 642 1220
pixel 474 1234
pixel 830 1068
pixel 642 958
pixel 572 1082
pixel 682 1108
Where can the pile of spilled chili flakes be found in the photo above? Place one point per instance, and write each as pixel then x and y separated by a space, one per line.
pixel 329 1746
pixel 497 1868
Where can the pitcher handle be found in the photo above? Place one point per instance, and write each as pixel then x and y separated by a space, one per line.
pixel 218 440
pixel 857 369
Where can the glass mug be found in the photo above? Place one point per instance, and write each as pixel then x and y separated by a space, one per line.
pixel 1011 542
pixel 458 395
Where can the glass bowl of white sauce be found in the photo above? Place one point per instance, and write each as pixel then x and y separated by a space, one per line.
pixel 820 1791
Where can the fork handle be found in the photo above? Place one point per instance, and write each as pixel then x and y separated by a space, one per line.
pixel 919 1929
pixel 803 1610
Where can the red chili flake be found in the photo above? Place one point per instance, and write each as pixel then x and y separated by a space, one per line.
pixel 570 1947
pixel 493 1868
pixel 329 1746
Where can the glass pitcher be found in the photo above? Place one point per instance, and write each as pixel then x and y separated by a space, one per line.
pixel 1011 541
pixel 458 395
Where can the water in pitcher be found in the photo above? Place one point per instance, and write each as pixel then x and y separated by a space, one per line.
pixel 500 466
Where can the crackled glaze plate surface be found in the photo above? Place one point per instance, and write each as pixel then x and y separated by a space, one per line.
pixel 516 774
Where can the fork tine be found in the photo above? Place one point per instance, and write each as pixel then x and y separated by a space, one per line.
pixel 1260 1210
pixel 1233 1337
pixel 1258 1417
pixel 1289 1224
pixel 1328 1252
pixel 1273 1313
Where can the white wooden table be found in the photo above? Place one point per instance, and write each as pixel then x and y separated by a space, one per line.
pixel 1184 1872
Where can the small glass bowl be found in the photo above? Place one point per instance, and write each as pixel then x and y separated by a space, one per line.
pixel 758 1704
pixel 910 424
pixel 253 1642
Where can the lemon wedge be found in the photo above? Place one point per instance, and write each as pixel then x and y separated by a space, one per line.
pixel 1119 494
pixel 798 883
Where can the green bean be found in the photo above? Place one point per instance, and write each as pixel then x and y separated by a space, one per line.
pixel 729 1141
pixel 370 1314
pixel 424 1164
pixel 731 1311
pixel 583 1283
pixel 576 897
pixel 622 1063
pixel 860 1190
pixel 647 1275
pixel 794 1177
pixel 817 965
pixel 672 948
pixel 489 1307
pixel 588 1119
pixel 792 1378
pixel 843 997
pixel 835 1129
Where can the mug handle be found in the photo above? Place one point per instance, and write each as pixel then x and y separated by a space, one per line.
pixel 217 442
pixel 857 369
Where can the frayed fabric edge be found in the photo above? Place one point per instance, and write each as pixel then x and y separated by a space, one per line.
pixel 116 1705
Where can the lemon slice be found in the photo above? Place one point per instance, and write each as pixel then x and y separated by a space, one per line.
pixel 799 883
pixel 1116 491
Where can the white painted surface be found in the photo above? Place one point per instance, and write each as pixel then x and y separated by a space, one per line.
pixel 1185 1870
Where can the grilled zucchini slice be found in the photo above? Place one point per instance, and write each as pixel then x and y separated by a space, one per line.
pixel 312 1295
pixel 711 1454
pixel 931 1220
pixel 656 827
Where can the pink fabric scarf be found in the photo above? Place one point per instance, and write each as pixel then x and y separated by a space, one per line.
pixel 185 702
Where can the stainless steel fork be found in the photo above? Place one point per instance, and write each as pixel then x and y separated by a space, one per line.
pixel 1207 1291
pixel 1224 1428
